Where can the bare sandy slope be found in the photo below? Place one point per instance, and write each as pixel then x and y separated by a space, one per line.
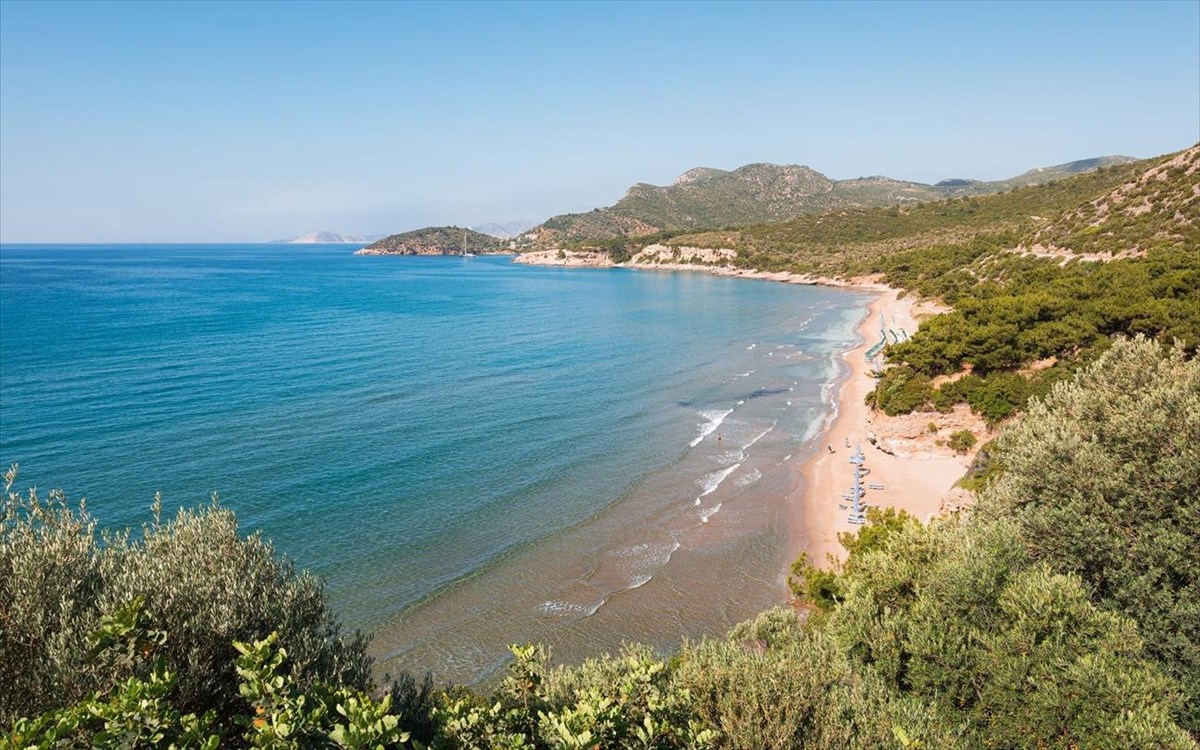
pixel 915 480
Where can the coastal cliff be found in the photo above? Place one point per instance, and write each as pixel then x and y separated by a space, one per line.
pixel 585 258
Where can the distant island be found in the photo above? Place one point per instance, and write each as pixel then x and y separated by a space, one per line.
pixel 435 241
pixel 328 238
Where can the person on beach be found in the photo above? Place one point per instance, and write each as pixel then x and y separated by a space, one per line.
pixel 831 448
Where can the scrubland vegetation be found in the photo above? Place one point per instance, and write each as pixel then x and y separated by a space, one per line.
pixel 851 241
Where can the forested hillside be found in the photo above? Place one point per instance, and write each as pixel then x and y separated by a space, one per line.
pixel 1161 208
pixel 706 198
pixel 434 241
pixel 851 242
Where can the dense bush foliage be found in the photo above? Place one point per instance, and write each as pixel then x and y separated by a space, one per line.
pixel 956 615
pixel 1020 309
pixel 200 581
pixel 1091 514
pixel 1102 479
pixel 961 441
pixel 777 684
pixel 1015 310
pixel 141 710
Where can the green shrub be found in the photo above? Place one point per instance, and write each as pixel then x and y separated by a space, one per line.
pixel 1101 477
pixel 956 613
pixel 133 709
pixel 139 711
pixel 414 704
pixel 901 390
pixel 814 585
pixel 282 714
pixel 822 586
pixel 985 468
pixel 961 441
pixel 800 691
pixel 200 581
pixel 626 701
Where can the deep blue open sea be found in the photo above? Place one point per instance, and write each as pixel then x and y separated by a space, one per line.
pixel 470 452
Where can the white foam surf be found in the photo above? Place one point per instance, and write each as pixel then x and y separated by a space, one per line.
pixel 644 561
pixel 709 513
pixel 728 457
pixel 715 418
pixel 651 556
pixel 748 479
pixel 710 482
pixel 638 582
pixel 760 435
pixel 570 609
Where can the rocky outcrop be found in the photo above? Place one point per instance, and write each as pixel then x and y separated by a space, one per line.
pixel 565 258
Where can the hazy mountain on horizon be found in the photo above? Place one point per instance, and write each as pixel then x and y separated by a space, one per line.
pixel 1039 175
pixel 325 237
pixel 505 230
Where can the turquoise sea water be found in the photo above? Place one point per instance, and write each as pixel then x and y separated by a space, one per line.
pixel 469 451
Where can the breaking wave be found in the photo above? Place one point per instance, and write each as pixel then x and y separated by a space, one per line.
pixel 715 418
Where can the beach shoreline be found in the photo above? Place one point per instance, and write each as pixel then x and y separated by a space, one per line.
pixel 906 455
pixel 916 475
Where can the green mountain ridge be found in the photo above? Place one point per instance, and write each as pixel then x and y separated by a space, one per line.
pixel 846 241
pixel 709 198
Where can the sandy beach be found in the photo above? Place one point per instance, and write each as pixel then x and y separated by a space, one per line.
pixel 902 453
pixel 915 480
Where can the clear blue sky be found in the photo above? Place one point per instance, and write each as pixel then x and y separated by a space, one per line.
pixel 224 121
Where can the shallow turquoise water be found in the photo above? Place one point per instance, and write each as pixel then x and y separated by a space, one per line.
pixel 400 424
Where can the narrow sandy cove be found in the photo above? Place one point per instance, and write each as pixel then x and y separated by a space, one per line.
pixel 916 484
